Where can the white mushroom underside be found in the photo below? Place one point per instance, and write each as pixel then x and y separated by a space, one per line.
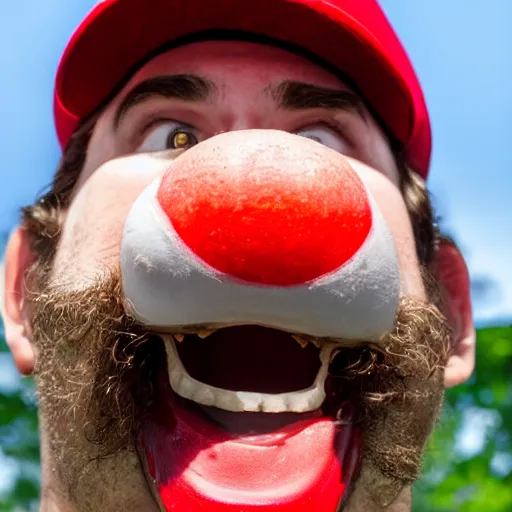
pixel 167 285
pixel 299 401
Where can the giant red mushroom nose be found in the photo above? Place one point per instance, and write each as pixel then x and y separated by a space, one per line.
pixel 267 207
pixel 261 227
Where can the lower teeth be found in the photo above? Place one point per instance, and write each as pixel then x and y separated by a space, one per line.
pixel 300 401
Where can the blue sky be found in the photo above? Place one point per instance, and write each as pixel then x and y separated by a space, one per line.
pixel 461 50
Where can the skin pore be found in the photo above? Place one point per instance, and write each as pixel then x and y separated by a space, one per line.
pixel 180 98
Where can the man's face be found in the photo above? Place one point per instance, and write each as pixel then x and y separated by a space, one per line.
pixel 246 81
pixel 229 86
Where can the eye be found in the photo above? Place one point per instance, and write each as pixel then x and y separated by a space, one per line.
pixel 327 136
pixel 169 135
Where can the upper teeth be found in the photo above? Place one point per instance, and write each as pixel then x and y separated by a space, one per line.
pixel 301 340
pixel 300 401
pixel 204 334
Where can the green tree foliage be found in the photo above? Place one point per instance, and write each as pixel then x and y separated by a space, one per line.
pixel 19 443
pixel 457 477
pixel 474 478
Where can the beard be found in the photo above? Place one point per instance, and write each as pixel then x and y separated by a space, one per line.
pixel 97 373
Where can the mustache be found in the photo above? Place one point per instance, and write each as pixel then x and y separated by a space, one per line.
pixel 95 362
pixel 397 391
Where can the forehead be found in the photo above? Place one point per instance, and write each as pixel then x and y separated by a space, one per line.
pixel 244 74
pixel 231 62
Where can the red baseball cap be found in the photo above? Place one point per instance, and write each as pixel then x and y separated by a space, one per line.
pixel 354 36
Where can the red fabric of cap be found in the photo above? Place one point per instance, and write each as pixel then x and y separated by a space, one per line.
pixel 353 35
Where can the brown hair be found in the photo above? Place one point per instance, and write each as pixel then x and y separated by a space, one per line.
pixel 42 219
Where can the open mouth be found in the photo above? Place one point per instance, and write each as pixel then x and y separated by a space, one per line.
pixel 249 369
pixel 248 419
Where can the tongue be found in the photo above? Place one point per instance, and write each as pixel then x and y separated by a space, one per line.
pixel 196 466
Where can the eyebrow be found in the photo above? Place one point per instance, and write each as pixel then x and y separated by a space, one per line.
pixel 292 95
pixel 182 87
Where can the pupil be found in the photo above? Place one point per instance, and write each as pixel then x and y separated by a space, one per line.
pixel 181 140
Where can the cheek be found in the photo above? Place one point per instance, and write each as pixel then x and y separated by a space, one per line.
pixel 391 204
pixel 93 225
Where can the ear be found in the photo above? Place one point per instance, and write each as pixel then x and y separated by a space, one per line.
pixel 18 259
pixel 453 275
